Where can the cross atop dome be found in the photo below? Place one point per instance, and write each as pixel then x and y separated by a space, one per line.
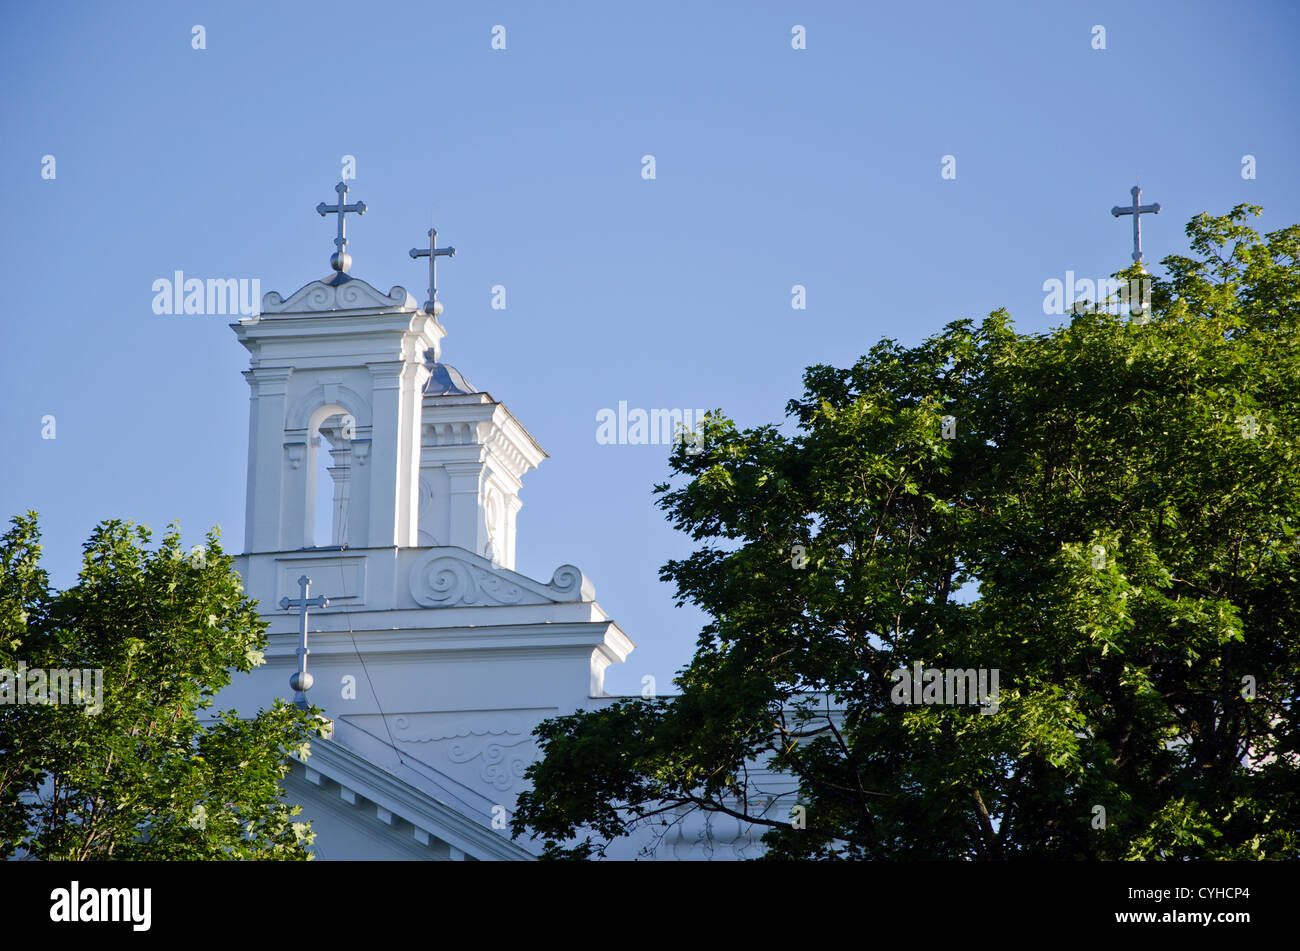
pixel 433 305
pixel 340 260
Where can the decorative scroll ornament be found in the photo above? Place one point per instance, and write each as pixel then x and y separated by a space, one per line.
pixel 570 584
pixel 444 579
pixel 353 294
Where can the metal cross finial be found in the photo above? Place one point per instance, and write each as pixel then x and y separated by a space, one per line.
pixel 301 682
pixel 1137 210
pixel 340 260
pixel 433 306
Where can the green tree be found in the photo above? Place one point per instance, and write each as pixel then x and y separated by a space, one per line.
pixel 1112 527
pixel 142 777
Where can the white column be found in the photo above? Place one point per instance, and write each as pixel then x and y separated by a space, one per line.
pixel 341 473
pixel 413 377
pixel 394 461
pixel 263 525
pixel 385 453
pixel 465 514
pixel 299 467
pixel 513 505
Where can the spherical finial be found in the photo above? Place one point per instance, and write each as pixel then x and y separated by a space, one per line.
pixel 340 262
pixel 301 681
pixel 433 307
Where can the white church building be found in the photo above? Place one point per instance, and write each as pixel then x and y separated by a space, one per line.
pixel 433 658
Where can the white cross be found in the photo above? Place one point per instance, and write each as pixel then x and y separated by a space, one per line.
pixel 1137 210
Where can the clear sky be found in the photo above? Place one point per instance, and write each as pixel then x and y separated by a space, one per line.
pixel 774 166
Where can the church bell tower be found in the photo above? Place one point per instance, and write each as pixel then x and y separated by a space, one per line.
pixel 418 456
pixel 431 657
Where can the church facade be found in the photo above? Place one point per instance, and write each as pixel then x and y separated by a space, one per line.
pixel 433 658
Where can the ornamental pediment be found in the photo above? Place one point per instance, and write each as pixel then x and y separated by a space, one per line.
pixel 325 296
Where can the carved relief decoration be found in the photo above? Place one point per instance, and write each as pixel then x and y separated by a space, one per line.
pixel 452 576
pixel 355 294
pixel 497 758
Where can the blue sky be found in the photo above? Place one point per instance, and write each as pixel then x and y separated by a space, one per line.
pixel 774 167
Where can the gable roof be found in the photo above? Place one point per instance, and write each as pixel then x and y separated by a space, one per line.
pixel 417 803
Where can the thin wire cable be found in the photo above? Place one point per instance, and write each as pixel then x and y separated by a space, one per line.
pixel 414 765
pixel 346 511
